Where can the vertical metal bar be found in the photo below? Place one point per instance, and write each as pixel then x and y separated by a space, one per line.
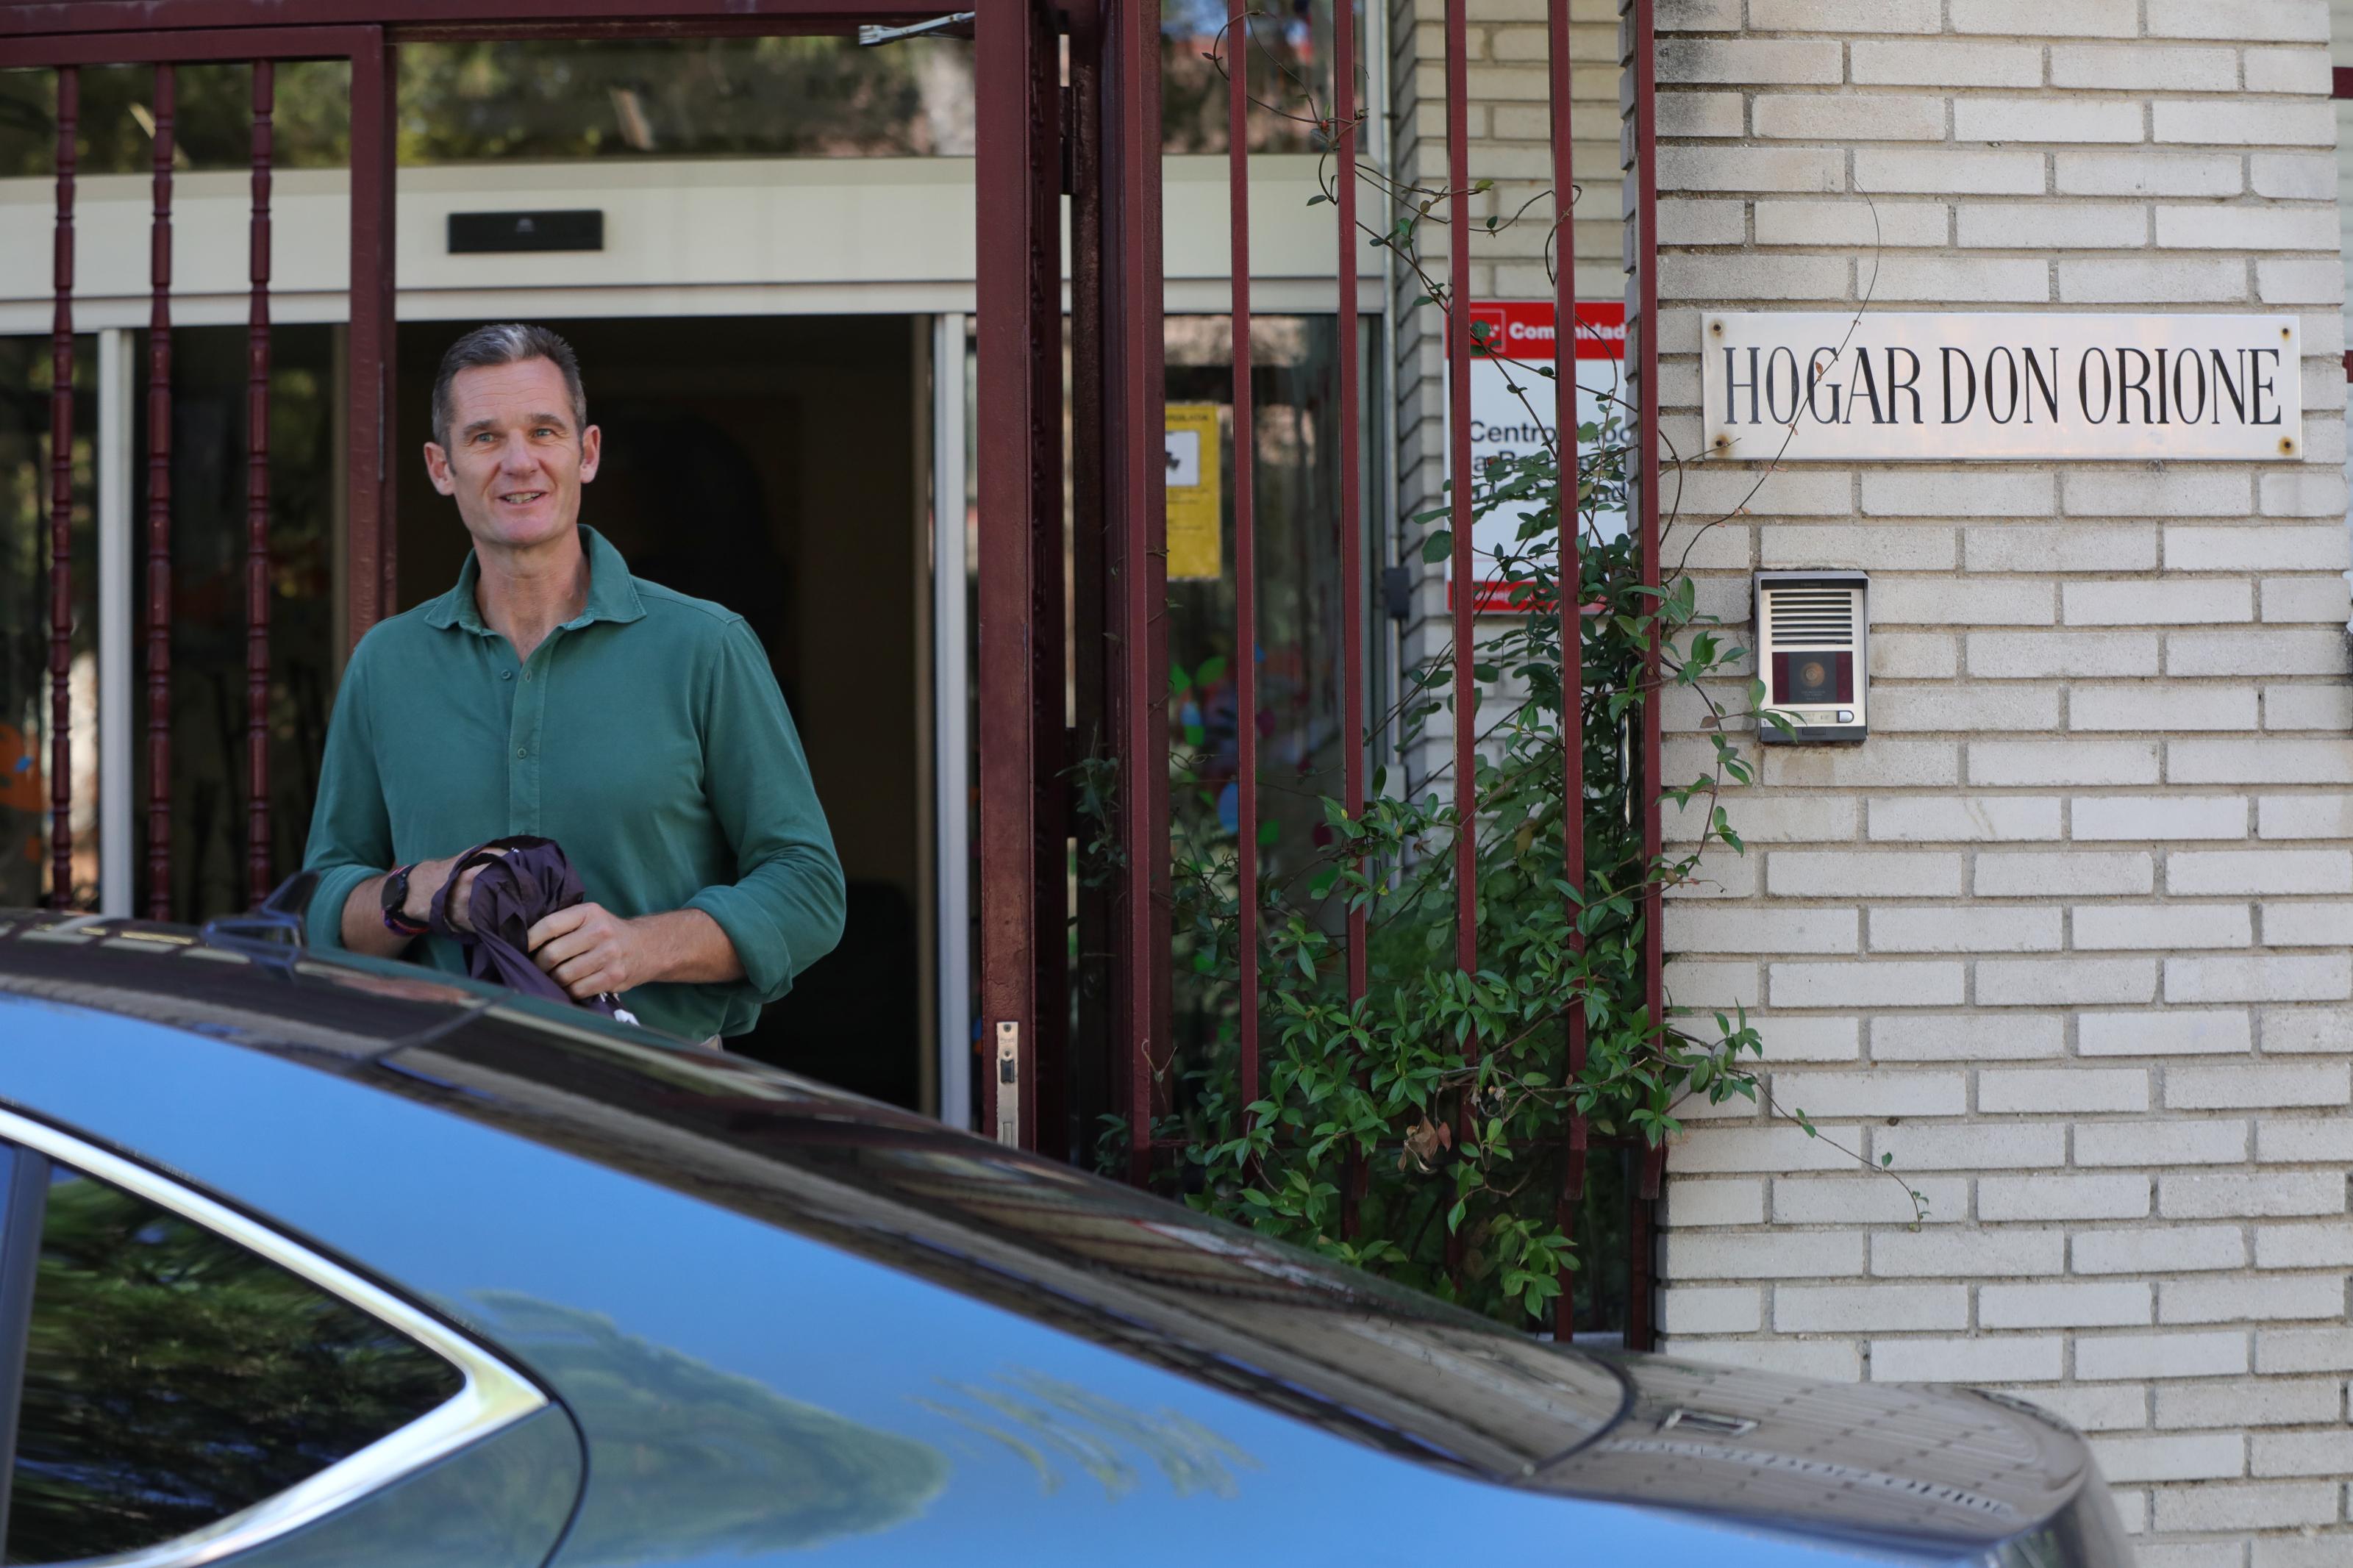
pixel 61 430
pixel 159 512
pixel 1087 1077
pixel 1465 595
pixel 117 819
pixel 257 502
pixel 1572 603
pixel 1008 564
pixel 1379 96
pixel 1458 435
pixel 1123 963
pixel 1046 1069
pixel 951 679
pixel 387 550
pixel 1646 254
pixel 1345 122
pixel 1238 43
pixel 1354 583
pixel 368 510
pixel 1136 446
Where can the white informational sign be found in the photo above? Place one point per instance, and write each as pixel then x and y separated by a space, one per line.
pixel 1184 459
pixel 1813 386
pixel 1516 338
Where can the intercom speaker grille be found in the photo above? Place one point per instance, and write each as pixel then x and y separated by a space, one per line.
pixel 1810 618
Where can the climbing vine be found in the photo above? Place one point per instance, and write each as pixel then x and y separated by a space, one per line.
pixel 1420 1130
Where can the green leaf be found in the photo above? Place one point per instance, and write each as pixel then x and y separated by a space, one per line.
pixel 1437 546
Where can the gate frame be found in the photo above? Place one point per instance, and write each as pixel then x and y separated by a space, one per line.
pixel 1018 164
pixel 1097 140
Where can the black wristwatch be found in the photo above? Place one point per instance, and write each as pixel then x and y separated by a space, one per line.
pixel 395 900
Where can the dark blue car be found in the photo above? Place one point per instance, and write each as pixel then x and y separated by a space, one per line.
pixel 324 1263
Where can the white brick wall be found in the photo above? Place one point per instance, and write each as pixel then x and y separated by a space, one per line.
pixel 2068 937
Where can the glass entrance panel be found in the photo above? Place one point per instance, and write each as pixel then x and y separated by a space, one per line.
pixel 1297 492
pixel 1287 55
pixel 25 624
pixel 515 100
pixel 208 613
pixel 212 119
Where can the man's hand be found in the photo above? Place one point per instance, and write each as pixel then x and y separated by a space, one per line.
pixel 364 927
pixel 589 950
pixel 427 880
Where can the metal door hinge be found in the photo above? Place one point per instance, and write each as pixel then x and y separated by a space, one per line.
pixel 1397 592
pixel 1009 1083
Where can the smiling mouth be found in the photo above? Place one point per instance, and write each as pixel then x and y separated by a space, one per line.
pixel 521 498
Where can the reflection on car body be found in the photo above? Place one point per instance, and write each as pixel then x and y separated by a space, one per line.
pixel 772 1319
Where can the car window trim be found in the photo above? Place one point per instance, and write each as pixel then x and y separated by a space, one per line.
pixel 494 1396
pixel 24 1215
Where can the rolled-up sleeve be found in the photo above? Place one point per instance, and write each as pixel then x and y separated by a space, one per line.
pixel 784 911
pixel 351 832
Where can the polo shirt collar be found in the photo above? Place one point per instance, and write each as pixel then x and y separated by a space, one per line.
pixel 612 593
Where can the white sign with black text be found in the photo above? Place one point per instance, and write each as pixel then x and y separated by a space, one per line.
pixel 1512 413
pixel 1818 386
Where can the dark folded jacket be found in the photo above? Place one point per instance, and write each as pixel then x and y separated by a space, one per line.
pixel 524 880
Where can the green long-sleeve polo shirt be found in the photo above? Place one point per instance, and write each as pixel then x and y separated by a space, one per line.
pixel 646 735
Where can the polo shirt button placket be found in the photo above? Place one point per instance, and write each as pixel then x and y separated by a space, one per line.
pixel 529 712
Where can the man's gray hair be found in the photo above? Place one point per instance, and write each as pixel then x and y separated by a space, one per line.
pixel 510 343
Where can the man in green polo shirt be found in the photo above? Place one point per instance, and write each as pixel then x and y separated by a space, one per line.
pixel 552 693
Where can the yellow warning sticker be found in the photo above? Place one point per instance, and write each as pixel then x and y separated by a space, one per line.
pixel 1195 504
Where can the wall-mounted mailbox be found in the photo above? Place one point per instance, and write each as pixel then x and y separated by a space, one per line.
pixel 1813 652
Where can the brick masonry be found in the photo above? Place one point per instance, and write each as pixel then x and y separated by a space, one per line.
pixel 2067 938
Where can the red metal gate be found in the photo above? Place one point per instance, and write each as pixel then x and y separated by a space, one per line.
pixel 1019 157
pixel 1136 684
pixel 1096 137
pixel 25 42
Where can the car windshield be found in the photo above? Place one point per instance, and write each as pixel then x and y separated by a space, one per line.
pixel 1382 1363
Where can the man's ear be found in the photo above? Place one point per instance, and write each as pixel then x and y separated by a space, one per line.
pixel 592 450
pixel 436 468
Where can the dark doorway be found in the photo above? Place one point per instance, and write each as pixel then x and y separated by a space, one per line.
pixel 773 464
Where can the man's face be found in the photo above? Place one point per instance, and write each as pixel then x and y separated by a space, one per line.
pixel 515 461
